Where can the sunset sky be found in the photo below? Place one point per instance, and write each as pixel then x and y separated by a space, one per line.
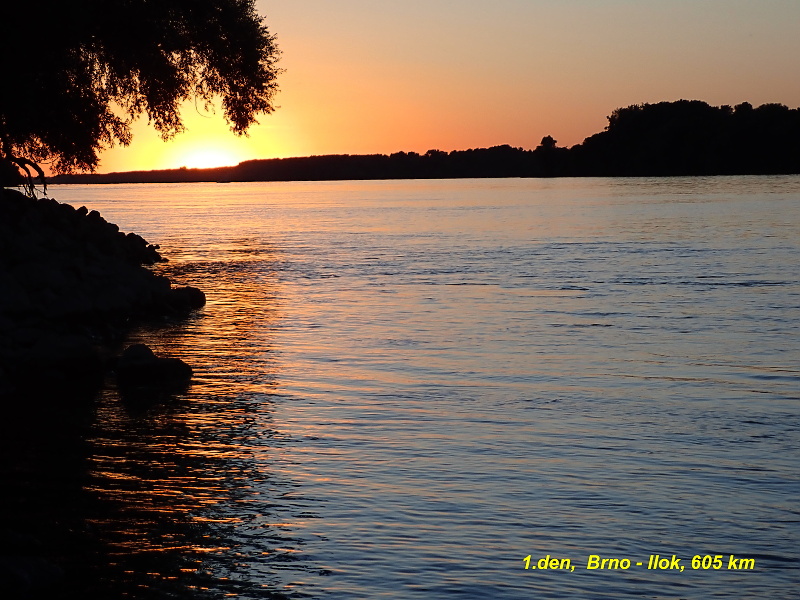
pixel 368 76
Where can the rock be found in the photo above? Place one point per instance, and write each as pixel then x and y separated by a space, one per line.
pixel 23 575
pixel 45 360
pixel 187 298
pixel 70 283
pixel 140 367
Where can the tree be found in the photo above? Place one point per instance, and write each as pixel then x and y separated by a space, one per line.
pixel 548 143
pixel 75 74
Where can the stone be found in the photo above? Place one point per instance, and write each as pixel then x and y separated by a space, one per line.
pixel 72 284
pixel 187 298
pixel 140 367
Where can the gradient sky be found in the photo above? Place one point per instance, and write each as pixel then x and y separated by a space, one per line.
pixel 372 76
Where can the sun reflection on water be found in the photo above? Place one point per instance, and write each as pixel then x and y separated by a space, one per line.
pixel 182 485
pixel 407 386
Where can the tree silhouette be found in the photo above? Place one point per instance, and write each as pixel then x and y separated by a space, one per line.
pixel 76 73
pixel 548 143
pixel 690 137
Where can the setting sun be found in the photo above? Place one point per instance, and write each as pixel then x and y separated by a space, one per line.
pixel 206 158
pixel 402 300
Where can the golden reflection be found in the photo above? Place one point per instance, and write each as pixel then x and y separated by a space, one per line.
pixel 172 478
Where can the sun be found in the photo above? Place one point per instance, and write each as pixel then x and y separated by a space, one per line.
pixel 208 158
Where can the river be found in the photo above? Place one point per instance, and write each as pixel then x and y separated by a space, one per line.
pixel 405 388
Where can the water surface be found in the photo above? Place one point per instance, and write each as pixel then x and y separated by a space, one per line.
pixel 405 388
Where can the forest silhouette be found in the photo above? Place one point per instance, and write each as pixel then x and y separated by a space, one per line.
pixel 686 137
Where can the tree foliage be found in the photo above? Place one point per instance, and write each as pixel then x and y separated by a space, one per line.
pixel 76 73
pixel 690 137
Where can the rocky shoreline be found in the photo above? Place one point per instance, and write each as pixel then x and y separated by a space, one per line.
pixel 71 286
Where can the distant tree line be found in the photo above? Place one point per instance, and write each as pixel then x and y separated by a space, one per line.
pixel 692 138
pixel 667 138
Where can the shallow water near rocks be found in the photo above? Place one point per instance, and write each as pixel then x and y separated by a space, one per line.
pixel 404 388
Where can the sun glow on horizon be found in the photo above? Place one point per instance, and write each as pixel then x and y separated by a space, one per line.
pixel 209 158
pixel 375 78
pixel 206 142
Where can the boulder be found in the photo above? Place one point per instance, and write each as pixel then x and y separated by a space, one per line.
pixel 140 367
pixel 185 299
pixel 70 283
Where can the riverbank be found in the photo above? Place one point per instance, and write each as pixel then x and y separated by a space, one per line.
pixel 72 287
pixel 72 284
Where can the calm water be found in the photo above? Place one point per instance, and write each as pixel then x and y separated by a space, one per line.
pixel 405 388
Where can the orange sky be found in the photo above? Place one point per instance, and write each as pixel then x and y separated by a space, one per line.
pixel 364 76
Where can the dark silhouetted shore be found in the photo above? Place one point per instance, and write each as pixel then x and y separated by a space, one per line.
pixel 663 139
pixel 72 283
